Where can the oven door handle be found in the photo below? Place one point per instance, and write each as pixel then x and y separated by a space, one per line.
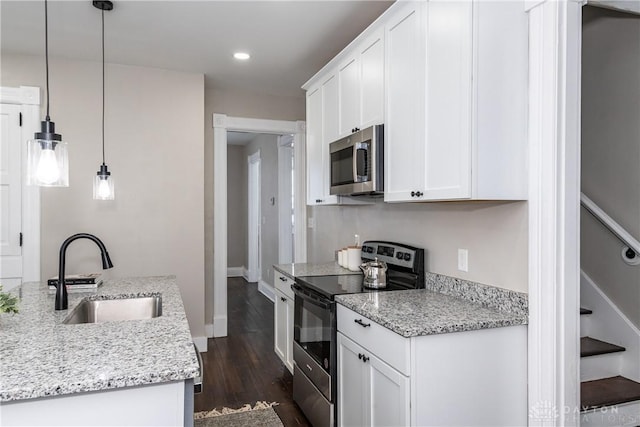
pixel 300 292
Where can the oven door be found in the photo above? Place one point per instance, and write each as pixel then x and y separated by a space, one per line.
pixel 314 326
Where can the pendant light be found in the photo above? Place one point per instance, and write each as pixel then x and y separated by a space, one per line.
pixel 103 188
pixel 47 157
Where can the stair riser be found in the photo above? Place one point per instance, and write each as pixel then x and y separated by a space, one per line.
pixel 601 366
pixel 625 415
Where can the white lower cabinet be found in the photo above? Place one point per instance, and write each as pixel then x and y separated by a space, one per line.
pixel 283 320
pixel 370 392
pixel 469 378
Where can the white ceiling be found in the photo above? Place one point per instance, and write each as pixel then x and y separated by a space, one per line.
pixel 289 41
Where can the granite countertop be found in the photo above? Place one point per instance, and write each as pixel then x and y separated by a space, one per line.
pixel 42 357
pixel 309 269
pixel 431 311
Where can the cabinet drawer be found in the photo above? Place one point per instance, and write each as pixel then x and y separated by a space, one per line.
pixel 385 344
pixel 283 284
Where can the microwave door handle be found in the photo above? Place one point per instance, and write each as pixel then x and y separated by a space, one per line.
pixel 355 163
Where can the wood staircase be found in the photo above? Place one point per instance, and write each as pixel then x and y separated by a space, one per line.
pixel 609 391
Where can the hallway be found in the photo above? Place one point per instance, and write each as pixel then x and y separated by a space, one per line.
pixel 242 367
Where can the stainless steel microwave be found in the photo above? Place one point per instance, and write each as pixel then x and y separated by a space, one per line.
pixel 357 164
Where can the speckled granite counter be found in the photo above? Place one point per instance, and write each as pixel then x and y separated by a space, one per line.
pixel 42 357
pixel 427 312
pixel 309 269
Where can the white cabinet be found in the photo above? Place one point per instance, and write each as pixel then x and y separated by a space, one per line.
pixel 370 392
pixel 464 378
pixel 456 102
pixel 361 85
pixel 317 146
pixel 283 320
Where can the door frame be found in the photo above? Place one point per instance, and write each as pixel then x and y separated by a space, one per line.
pixel 555 48
pixel 254 225
pixel 217 324
pixel 28 97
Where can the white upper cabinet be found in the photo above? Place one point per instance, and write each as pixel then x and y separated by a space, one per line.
pixel 449 81
pixel 404 149
pixel 361 85
pixel 322 125
pixel 462 133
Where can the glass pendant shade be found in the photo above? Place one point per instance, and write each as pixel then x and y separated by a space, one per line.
pixel 103 188
pixel 47 158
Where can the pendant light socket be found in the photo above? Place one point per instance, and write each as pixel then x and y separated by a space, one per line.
pixel 48 131
pixel 103 5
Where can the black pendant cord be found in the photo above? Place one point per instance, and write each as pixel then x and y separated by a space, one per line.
pixel 103 162
pixel 46 51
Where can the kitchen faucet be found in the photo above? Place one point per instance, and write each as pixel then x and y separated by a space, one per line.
pixel 61 290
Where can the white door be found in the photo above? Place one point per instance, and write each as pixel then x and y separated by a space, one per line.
pixel 254 225
pixel 286 201
pixel 10 196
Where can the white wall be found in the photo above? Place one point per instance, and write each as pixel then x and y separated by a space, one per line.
pixel 494 233
pixel 611 149
pixel 154 148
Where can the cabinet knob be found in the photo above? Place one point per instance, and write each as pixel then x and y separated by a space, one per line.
pixel 416 194
pixel 318 200
pixel 364 359
pixel 282 279
pixel 283 299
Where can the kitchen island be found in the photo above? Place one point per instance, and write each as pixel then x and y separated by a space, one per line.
pixel 136 372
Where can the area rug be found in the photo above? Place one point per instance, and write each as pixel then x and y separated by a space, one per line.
pixel 261 414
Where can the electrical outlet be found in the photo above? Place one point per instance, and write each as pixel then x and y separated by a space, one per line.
pixel 463 260
pixel 311 222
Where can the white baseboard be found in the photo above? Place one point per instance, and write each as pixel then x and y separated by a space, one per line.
pixel 235 271
pixel 245 274
pixel 609 324
pixel 208 329
pixel 266 290
pixel 219 326
pixel 201 343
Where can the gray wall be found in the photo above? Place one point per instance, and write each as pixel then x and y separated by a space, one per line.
pixel 494 233
pixel 268 146
pixel 154 148
pixel 611 149
pixel 236 206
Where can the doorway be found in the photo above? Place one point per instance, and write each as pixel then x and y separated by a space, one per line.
pixel 254 224
pixel 222 125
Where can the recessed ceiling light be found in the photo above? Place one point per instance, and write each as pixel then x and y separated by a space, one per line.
pixel 242 56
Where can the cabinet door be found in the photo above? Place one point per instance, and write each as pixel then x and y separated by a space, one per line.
pixel 280 326
pixel 289 335
pixel 352 377
pixel 404 147
pixel 314 147
pixel 372 80
pixel 388 395
pixel 349 96
pixel 330 110
pixel 448 101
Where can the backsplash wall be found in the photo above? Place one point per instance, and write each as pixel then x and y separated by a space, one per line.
pixel 495 233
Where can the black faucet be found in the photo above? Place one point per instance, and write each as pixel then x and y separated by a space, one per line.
pixel 61 291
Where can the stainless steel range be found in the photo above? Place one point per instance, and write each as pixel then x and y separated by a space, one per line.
pixel 314 347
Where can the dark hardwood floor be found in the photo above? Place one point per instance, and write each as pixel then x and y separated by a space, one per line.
pixel 242 367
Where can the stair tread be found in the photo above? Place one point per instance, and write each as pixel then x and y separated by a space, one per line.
pixel 585 311
pixel 608 391
pixel 593 347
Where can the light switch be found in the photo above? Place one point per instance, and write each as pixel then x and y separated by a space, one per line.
pixel 463 260
pixel 311 222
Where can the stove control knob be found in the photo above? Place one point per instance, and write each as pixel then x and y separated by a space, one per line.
pixel 407 256
pixel 399 255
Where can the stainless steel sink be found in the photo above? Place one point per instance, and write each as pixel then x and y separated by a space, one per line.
pixel 109 310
